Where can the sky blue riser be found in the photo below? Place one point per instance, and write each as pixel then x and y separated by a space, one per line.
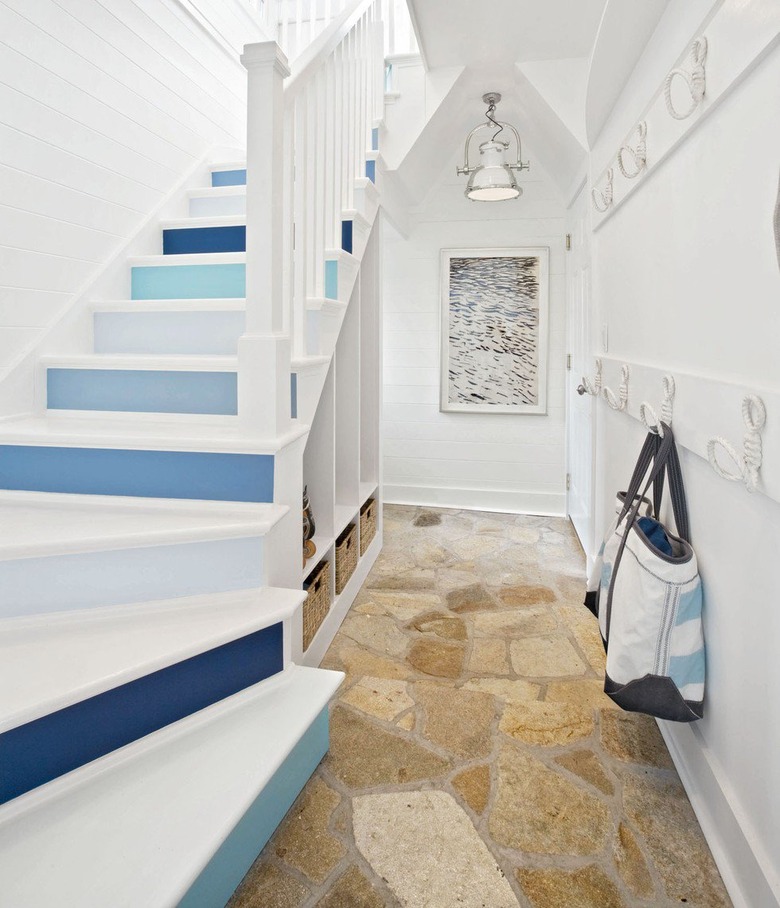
pixel 166 282
pixel 42 750
pixel 197 333
pixel 142 474
pixel 371 170
pixel 228 178
pixel 331 280
pixel 60 583
pixel 375 139
pixel 216 206
pixel 226 869
pixel 142 391
pixel 187 240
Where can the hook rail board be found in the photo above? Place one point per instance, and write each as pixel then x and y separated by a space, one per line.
pixel 731 41
pixel 703 409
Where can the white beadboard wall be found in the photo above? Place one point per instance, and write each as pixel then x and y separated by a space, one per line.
pixel 501 462
pixel 105 106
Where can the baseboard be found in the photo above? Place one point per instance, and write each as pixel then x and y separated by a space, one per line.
pixel 552 504
pixel 745 868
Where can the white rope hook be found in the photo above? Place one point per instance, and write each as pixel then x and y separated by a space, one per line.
pixel 638 154
pixel 648 415
pixel 593 387
pixel 696 80
pixel 621 402
pixel 748 464
pixel 602 200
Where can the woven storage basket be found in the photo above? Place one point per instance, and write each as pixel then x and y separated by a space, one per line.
pixel 367 524
pixel 317 603
pixel 346 557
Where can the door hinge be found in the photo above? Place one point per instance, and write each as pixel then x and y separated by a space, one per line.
pixel 568 242
pixel 568 362
pixel 568 481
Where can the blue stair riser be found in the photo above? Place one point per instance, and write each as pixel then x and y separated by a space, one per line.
pixel 60 583
pixel 217 206
pixel 142 391
pixel 228 177
pixel 331 280
pixel 49 747
pixel 193 240
pixel 371 170
pixel 195 333
pixel 346 236
pixel 165 282
pixel 198 475
pixel 235 856
pixel 293 395
pixel 375 139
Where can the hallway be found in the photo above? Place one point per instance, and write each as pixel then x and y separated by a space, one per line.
pixel 474 760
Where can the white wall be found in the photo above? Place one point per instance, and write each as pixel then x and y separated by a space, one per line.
pixel 687 279
pixel 105 106
pixel 500 462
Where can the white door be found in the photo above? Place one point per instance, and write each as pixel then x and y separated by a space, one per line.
pixel 579 408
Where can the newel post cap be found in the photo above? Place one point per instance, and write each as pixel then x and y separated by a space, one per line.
pixel 266 54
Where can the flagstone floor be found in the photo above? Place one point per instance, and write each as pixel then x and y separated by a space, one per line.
pixel 474 760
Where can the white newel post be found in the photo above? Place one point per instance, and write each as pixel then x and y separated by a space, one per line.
pixel 264 350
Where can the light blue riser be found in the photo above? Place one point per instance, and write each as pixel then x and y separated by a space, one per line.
pixel 62 583
pixel 165 282
pixel 142 391
pixel 217 206
pixel 228 178
pixel 197 333
pixel 375 139
pixel 331 280
pixel 223 873
pixel 200 475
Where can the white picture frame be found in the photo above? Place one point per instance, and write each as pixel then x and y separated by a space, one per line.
pixel 493 348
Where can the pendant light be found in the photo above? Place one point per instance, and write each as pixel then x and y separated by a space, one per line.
pixel 492 179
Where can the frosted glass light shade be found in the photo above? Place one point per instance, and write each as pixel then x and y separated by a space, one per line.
pixel 492 180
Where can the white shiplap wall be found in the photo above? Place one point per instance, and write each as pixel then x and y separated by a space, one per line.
pixel 501 462
pixel 105 105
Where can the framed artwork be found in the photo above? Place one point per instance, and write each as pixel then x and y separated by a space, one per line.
pixel 494 315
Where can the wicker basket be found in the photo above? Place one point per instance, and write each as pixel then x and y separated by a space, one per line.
pixel 317 603
pixel 346 557
pixel 367 524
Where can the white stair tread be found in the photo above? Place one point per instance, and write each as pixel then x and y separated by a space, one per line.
pixel 318 304
pixel 225 435
pixel 190 258
pixel 42 524
pixel 206 192
pixel 229 304
pixel 224 220
pixel 170 362
pixel 229 165
pixel 302 363
pixel 136 827
pixel 48 662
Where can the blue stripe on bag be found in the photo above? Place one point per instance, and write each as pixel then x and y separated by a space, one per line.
pixel 687 669
pixel 690 605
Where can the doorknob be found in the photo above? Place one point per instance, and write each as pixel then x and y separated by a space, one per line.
pixel 581 389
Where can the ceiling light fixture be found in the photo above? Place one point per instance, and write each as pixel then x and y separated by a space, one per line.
pixel 492 179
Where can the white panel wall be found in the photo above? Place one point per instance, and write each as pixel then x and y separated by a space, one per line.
pixel 105 106
pixel 687 278
pixel 501 462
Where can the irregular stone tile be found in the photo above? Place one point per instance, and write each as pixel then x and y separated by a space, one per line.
pixel 472 598
pixel 356 661
pixel 539 811
pixel 546 724
pixel 304 841
pixel 435 657
pixel 404 604
pixel 634 738
pixel 362 755
pixel 406 722
pixel 489 657
pixel 586 765
pixel 631 865
pixel 526 594
pixel 441 625
pixel 427 519
pixel 380 697
pixel 465 575
pixel 550 537
pixel 473 785
pixel 526 536
pixel 585 692
pixel 545 657
pixel 377 632
pixel 527 622
pixel 424 846
pixel 352 890
pixel 266 886
pixel 510 690
pixel 660 811
pixel 410 580
pixel 496 523
pixel 589 641
pixel 457 720
pixel 428 552
pixel 476 546
pixel 588 887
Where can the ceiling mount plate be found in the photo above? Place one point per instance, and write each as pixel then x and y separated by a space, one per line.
pixel 491 97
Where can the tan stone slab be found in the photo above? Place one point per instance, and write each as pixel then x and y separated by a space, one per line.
pixel 377 632
pixel 477 546
pixel 634 738
pixel 402 604
pixel 526 622
pixel 304 840
pixel 437 658
pixel 445 626
pixel 471 598
pixel 356 662
pixel 545 657
pixel 473 785
pixel 588 887
pixel 409 580
pixel 407 722
pixel 352 890
pixel 363 755
pixel 526 594
pixel 428 553
pixel 546 724
pixel 584 692
pixel 266 886
pixel 381 697
pixel 586 765
pixel 631 864
pixel 457 720
pixel 524 536
pixel 510 690
pixel 539 811
pixel 427 519
pixel 489 656
pixel 425 847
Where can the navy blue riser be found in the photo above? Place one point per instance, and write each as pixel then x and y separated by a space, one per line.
pixel 235 856
pixel 180 241
pixel 346 236
pixel 39 751
pixel 205 476
pixel 142 391
pixel 228 178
